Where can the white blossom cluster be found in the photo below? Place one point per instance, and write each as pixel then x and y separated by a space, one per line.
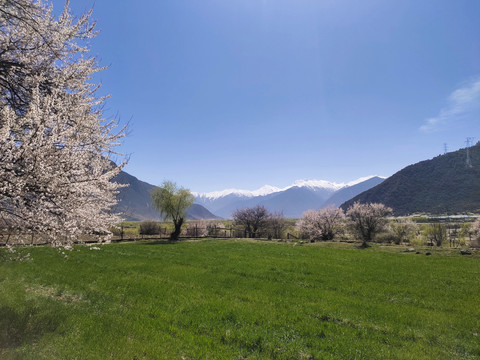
pixel 367 219
pixel 322 224
pixel 55 146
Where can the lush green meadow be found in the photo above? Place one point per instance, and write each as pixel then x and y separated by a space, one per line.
pixel 237 300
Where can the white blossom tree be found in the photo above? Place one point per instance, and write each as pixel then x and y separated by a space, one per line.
pixel 366 220
pixel 322 224
pixel 55 145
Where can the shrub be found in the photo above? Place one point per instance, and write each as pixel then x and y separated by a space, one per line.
pixel 385 237
pixel 436 234
pixel 402 231
pixel 149 228
pixel 475 233
pixel 213 228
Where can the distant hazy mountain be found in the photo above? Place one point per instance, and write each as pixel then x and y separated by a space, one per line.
pixel 199 212
pixel 348 192
pixel 292 200
pixel 135 201
pixel 444 184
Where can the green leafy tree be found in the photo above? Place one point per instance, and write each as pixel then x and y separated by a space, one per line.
pixel 436 234
pixel 172 202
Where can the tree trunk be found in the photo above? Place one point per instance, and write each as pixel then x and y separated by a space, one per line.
pixel 178 229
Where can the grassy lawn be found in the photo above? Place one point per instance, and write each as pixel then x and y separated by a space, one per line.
pixel 238 300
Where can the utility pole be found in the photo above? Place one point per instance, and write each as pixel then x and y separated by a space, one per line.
pixel 469 160
pixel 445 148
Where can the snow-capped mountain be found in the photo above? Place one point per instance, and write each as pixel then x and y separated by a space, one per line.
pixel 293 200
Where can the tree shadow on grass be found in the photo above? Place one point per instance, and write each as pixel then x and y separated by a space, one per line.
pixel 363 245
pixel 160 242
pixel 19 328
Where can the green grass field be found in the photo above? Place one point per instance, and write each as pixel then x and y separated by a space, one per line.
pixel 239 300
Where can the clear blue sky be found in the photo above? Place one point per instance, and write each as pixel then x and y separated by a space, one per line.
pixel 242 93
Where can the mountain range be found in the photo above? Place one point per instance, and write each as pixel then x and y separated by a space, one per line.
pixel 292 200
pixel 136 204
pixel 446 184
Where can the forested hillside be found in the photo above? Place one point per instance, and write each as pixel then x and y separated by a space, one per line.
pixel 444 184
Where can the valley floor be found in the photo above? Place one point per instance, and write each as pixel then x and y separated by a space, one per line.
pixel 239 299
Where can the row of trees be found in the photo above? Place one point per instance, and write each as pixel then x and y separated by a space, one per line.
pixel 324 224
pixel 370 221
pixel 365 221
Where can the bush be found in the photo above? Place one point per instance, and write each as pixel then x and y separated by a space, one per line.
pixel 385 237
pixel 475 233
pixel 436 234
pixel 402 231
pixel 149 228
pixel 116 230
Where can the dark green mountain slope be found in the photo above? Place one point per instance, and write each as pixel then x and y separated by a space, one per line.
pixel 441 185
pixel 135 202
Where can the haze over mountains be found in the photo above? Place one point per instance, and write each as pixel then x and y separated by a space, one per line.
pixel 292 200
pixel 446 184
pixel 136 204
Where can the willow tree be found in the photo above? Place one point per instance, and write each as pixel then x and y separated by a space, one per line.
pixel 55 145
pixel 172 202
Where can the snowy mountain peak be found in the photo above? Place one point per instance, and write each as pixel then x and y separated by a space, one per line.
pixel 263 191
pixel 315 184
pixel 268 189
pixel 362 179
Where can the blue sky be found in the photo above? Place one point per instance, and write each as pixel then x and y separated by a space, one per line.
pixel 241 93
